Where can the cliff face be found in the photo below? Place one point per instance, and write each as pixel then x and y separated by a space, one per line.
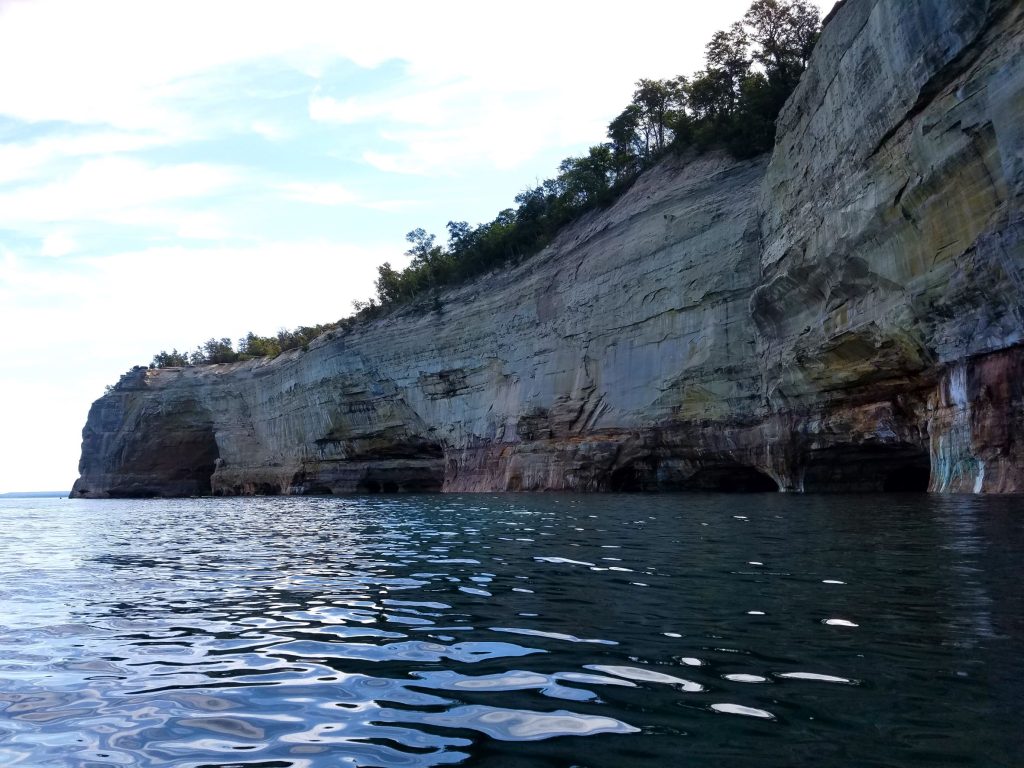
pixel 844 315
pixel 545 376
pixel 892 262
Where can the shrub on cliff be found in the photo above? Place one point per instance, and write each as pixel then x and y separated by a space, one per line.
pixel 252 345
pixel 172 359
pixel 249 346
pixel 214 351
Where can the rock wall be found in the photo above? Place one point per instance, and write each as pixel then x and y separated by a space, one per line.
pixel 892 258
pixel 844 315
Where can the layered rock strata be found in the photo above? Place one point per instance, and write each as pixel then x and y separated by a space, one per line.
pixel 844 315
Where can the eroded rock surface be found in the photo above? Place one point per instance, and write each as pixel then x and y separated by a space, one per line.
pixel 844 315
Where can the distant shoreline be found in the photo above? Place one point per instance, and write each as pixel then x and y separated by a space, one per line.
pixel 32 494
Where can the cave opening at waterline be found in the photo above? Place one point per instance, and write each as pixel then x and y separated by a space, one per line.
pixel 419 483
pixel 648 474
pixel 181 463
pixel 908 478
pixel 731 479
pixel 201 460
pixel 900 468
pixel 317 490
pixel 634 477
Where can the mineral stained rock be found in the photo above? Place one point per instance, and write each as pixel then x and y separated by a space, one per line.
pixel 844 315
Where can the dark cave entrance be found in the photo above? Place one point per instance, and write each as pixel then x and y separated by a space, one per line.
pixel 408 485
pixel 646 474
pixel 900 468
pixel 909 478
pixel 409 464
pixel 635 477
pixel 731 479
pixel 317 490
pixel 199 457
pixel 178 462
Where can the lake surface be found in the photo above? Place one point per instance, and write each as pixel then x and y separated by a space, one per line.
pixel 556 630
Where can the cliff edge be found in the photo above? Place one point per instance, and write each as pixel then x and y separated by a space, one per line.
pixel 844 315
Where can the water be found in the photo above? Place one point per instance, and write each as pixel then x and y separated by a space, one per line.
pixel 612 631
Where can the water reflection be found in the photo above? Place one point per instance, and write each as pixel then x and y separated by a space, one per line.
pixel 511 630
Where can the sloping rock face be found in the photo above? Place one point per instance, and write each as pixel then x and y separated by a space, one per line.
pixel 844 315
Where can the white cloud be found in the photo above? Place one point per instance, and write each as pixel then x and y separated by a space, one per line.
pixel 492 138
pixel 28 159
pixel 392 205
pixel 430 106
pixel 270 130
pixel 133 303
pixel 333 195
pixel 319 194
pixel 448 129
pixel 58 244
pixel 8 266
pixel 204 225
pixel 328 110
pixel 113 189
pixel 182 294
pixel 45 454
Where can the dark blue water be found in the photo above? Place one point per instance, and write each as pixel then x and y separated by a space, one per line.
pixel 767 630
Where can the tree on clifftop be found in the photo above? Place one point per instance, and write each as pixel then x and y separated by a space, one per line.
pixel 172 359
pixel 785 32
pixel 645 127
pixel 252 345
pixel 214 351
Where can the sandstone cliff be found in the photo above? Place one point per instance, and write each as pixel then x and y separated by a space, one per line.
pixel 846 314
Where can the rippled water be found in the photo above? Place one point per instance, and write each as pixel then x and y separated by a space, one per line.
pixel 521 630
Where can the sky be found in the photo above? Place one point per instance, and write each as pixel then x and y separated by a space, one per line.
pixel 175 171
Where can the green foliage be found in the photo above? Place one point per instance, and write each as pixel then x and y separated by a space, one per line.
pixel 784 32
pixel 214 351
pixel 250 346
pixel 172 359
pixel 301 336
